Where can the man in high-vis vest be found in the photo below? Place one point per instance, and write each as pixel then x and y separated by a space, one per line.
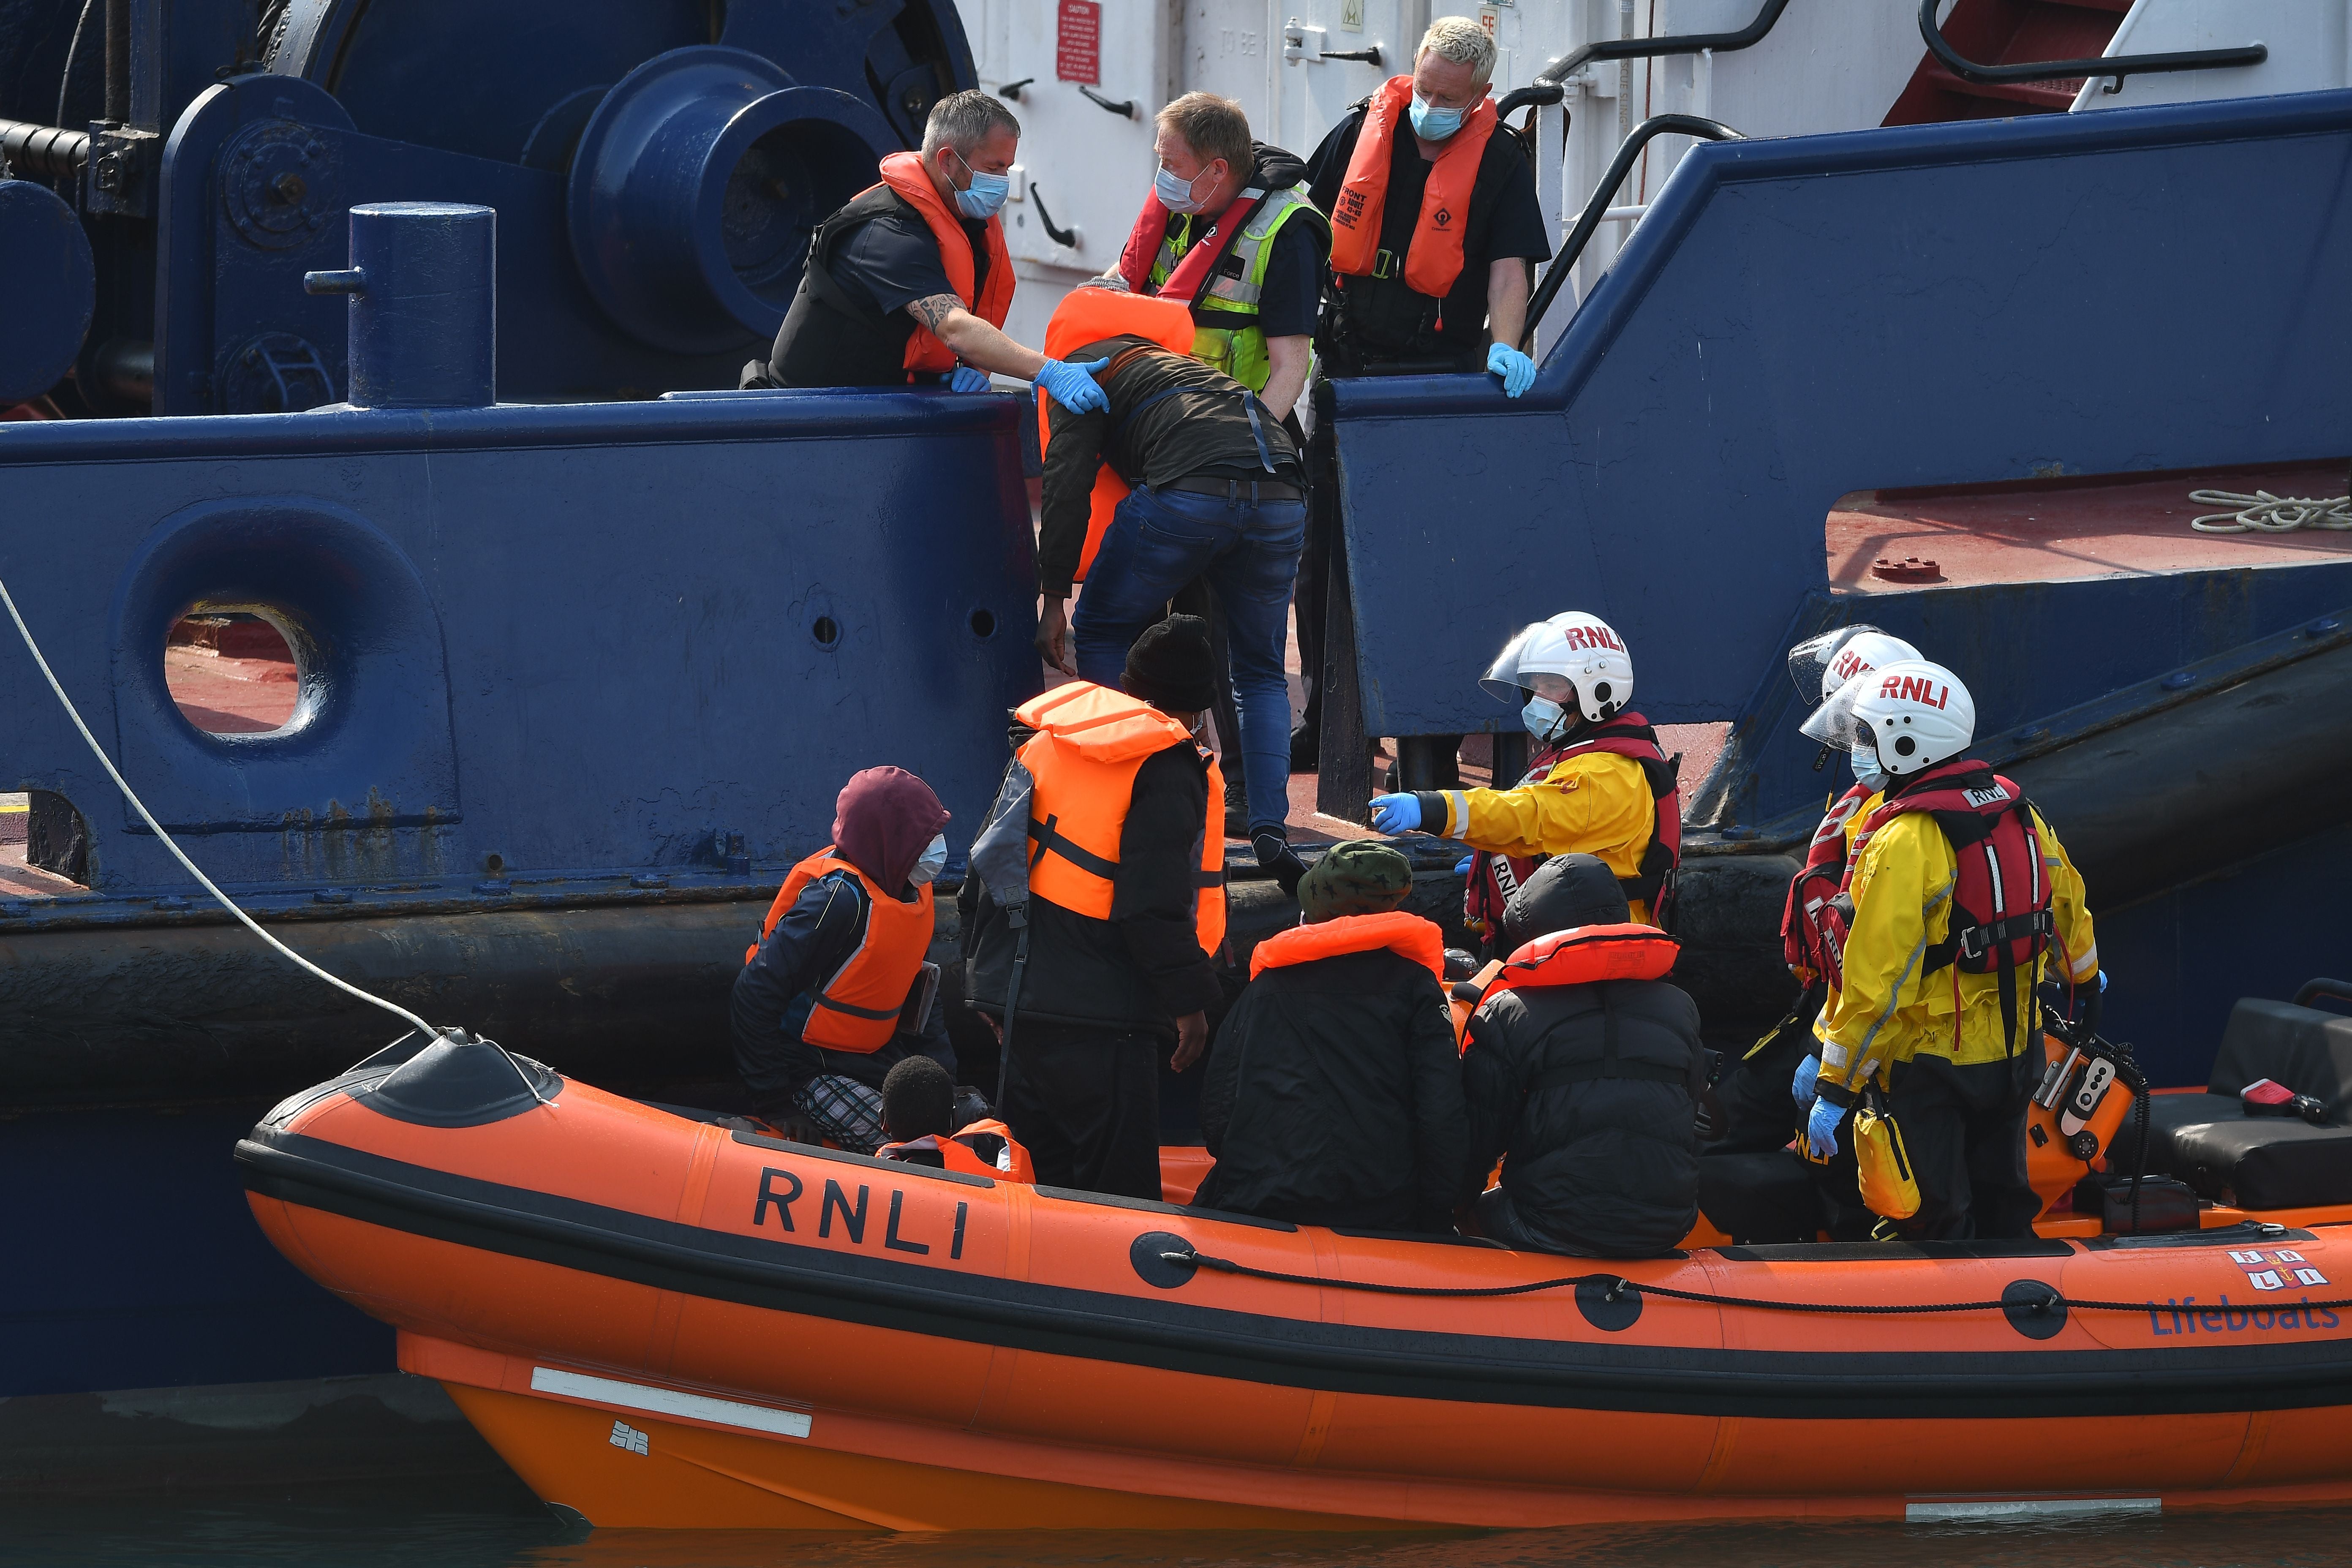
pixel 910 283
pixel 835 991
pixel 1434 231
pixel 1102 961
pixel 1228 231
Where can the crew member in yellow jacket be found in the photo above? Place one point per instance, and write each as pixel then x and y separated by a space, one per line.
pixel 1599 785
pixel 1964 901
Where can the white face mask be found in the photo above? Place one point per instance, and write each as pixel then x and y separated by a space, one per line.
pixel 1545 719
pixel 933 861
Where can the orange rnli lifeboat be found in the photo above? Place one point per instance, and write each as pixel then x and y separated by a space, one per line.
pixel 664 1322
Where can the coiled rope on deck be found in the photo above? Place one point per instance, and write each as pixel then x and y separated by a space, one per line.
pixel 1617 1288
pixel 2262 512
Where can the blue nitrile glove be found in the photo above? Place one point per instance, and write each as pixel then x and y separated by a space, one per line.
pixel 1806 1085
pixel 963 378
pixel 1073 385
pixel 1464 868
pixel 1821 1129
pixel 1395 813
pixel 1518 370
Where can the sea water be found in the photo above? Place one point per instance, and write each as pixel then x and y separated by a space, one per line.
pixel 490 1521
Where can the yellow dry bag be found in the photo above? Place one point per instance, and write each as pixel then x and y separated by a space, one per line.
pixel 1888 1188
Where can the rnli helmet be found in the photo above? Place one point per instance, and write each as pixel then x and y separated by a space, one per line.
pixel 1821 665
pixel 1572 646
pixel 1914 715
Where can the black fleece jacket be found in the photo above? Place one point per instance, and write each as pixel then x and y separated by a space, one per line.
pixel 1143 967
pixel 1334 1097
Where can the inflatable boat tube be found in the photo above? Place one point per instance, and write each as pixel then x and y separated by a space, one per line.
pixel 663 1323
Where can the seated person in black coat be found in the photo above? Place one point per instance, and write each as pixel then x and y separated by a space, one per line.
pixel 1582 1071
pixel 1334 1095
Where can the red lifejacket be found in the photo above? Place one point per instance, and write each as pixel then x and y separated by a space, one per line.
pixel 1495 878
pixel 857 1008
pixel 1433 260
pixel 2000 920
pixel 985 1148
pixel 1586 956
pixel 1814 920
pixel 904 172
pixel 1192 274
pixel 1406 935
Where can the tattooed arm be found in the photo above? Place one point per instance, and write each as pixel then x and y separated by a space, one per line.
pixel 975 343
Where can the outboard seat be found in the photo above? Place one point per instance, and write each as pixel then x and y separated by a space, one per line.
pixel 2259 1161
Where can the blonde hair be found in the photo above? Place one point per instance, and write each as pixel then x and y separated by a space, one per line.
pixel 1214 128
pixel 1463 41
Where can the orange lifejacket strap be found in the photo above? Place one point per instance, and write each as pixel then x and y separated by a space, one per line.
pixel 1433 260
pixel 904 172
pixel 1587 954
pixel 1407 935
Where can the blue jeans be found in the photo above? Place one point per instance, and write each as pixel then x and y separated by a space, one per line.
pixel 1160 541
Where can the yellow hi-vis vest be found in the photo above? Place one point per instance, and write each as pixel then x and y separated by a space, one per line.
pixel 1239 350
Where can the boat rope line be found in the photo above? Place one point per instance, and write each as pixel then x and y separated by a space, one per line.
pixel 395 1008
pixel 1616 1287
pixel 2262 512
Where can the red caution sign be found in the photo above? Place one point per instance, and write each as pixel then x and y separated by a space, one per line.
pixel 1077 42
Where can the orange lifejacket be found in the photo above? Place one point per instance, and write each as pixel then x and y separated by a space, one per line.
pixel 1464 996
pixel 1089 316
pixel 904 172
pixel 986 1148
pixel 1090 742
pixel 857 1009
pixel 1433 261
pixel 1584 955
pixel 1406 935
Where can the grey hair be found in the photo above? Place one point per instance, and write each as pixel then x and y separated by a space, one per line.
pixel 964 120
pixel 1463 41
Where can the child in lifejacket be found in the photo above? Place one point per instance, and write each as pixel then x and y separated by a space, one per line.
pixel 836 990
pixel 1334 1096
pixel 919 1105
pixel 1582 1075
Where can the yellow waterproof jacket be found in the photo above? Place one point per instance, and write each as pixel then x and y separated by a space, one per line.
pixel 1597 803
pixel 1892 1011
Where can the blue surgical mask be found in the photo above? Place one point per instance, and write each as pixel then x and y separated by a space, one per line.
pixel 1863 760
pixel 1434 124
pixel 1545 719
pixel 1175 191
pixel 984 195
pixel 933 861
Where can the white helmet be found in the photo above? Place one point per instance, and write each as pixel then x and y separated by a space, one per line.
pixel 1819 665
pixel 1581 649
pixel 1914 715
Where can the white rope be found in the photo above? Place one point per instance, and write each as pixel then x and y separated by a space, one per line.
pixel 2262 512
pixel 128 793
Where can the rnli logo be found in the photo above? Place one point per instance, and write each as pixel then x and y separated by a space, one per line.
pixel 1915 689
pixel 1585 639
pixel 1983 797
pixel 1846 666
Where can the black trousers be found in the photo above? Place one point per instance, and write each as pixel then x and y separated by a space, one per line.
pixel 1085 1104
pixel 1310 596
pixel 1759 1113
pixel 1964 1128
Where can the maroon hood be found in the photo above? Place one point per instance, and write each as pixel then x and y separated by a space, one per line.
pixel 881 821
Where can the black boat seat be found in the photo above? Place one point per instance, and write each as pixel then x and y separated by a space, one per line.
pixel 2259 1162
pixel 1762 1197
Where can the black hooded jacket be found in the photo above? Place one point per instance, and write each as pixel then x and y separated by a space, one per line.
pixel 1334 1097
pixel 1604 1166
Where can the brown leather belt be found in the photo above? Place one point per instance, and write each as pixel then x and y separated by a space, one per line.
pixel 1250 490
